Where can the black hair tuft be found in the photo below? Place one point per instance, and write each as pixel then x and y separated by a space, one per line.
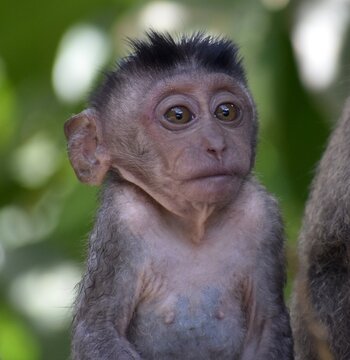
pixel 160 52
pixel 163 52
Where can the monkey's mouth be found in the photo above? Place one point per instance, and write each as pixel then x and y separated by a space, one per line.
pixel 212 175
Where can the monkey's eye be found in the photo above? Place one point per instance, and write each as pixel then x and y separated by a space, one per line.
pixel 178 115
pixel 227 112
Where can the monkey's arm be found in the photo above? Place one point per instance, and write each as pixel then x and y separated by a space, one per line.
pixel 269 334
pixel 107 296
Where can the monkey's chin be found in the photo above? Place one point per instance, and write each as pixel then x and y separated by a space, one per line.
pixel 213 189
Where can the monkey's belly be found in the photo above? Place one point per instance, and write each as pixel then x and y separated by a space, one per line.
pixel 204 329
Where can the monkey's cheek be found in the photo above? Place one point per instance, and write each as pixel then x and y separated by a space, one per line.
pixel 213 189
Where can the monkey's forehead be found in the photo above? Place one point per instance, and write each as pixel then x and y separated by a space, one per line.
pixel 193 81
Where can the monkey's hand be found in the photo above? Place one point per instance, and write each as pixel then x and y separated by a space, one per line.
pixel 101 342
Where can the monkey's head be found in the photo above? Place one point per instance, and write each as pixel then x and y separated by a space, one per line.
pixel 175 118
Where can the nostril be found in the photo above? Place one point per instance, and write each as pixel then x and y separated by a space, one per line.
pixel 216 148
pixel 211 151
pixel 216 151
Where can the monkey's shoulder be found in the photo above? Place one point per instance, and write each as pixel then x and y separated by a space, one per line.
pixel 260 212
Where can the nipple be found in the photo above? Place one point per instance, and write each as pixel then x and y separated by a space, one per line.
pixel 169 317
pixel 220 315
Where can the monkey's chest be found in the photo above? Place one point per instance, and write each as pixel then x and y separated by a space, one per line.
pixel 208 325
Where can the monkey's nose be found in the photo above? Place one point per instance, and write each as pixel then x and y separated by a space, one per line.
pixel 213 140
pixel 216 150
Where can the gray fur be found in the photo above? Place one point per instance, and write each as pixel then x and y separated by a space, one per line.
pixel 321 301
pixel 107 294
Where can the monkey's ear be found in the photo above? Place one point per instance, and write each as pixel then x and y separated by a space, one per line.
pixel 87 152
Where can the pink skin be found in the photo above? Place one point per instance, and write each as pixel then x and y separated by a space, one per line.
pixel 201 164
pixel 194 169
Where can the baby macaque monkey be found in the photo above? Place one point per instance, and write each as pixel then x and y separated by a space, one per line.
pixel 186 259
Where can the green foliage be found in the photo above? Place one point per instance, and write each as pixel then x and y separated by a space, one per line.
pixel 17 342
pixel 45 215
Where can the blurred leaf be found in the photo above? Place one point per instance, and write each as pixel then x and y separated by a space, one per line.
pixel 16 340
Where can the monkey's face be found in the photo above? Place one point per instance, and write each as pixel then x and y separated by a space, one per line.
pixel 194 139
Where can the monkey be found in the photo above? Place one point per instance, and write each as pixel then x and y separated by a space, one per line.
pixel 186 258
pixel 321 298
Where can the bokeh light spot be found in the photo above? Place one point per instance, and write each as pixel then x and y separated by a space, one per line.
pixel 163 16
pixel 84 49
pixel 19 226
pixel 317 40
pixel 46 295
pixel 35 161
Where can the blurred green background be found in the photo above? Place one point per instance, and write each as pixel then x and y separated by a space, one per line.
pixel 51 54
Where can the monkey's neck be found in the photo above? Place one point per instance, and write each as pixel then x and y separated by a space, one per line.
pixel 193 224
pixel 142 213
pixel 190 220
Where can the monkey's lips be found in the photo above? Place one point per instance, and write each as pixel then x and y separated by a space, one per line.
pixel 210 185
pixel 212 174
pixel 213 177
